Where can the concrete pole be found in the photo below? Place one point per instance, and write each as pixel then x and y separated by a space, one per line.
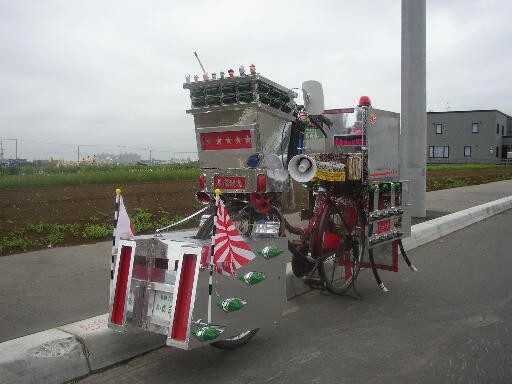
pixel 413 139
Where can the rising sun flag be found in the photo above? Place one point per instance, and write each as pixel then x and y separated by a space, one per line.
pixel 231 251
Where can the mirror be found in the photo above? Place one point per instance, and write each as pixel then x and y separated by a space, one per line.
pixel 313 97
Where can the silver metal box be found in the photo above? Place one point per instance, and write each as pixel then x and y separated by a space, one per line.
pixel 242 127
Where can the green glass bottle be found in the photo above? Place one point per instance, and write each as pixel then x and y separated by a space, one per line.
pixel 229 99
pixel 251 278
pixel 286 109
pixel 262 87
pixel 384 187
pixel 245 87
pixel 269 252
pixel 212 91
pixel 228 89
pixel 372 188
pixel 232 304
pixel 264 99
pixel 213 100
pixel 197 92
pixel 246 98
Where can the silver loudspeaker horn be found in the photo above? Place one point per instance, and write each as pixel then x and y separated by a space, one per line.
pixel 302 168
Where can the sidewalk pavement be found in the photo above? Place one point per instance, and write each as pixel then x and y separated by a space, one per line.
pixel 43 291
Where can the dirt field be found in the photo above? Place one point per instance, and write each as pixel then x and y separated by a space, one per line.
pixel 77 204
pixel 66 205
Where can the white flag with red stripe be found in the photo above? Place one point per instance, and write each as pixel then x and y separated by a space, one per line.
pixel 124 227
pixel 231 251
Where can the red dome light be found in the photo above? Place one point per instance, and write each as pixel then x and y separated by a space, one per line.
pixel 364 101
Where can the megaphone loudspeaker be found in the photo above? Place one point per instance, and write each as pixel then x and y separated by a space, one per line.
pixel 302 168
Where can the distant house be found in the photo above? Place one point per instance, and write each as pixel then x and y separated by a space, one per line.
pixel 478 136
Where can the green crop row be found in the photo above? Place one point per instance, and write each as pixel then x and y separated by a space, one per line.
pixel 449 167
pixel 47 235
pixel 29 177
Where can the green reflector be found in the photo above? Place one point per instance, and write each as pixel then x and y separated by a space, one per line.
pixel 231 304
pixel 251 278
pixel 269 252
pixel 207 333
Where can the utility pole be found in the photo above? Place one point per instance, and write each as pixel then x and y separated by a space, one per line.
pixel 413 138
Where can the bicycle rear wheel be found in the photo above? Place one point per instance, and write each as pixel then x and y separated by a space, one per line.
pixel 340 250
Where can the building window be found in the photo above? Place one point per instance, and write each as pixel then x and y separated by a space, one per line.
pixel 497 129
pixel 438 151
pixel 497 151
pixel 467 151
pixel 502 130
pixel 439 129
pixel 475 128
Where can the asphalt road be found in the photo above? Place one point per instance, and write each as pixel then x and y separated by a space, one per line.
pixel 48 288
pixel 449 323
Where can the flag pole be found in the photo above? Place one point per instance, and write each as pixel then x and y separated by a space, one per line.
pixel 212 253
pixel 114 248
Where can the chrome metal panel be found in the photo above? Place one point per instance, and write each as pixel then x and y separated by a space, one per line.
pixel 270 136
pixel 228 158
pixel 264 300
pixel 383 135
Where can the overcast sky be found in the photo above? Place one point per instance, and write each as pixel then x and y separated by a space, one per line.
pixel 111 72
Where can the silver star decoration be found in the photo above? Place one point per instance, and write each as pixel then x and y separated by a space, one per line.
pixel 228 140
pixel 247 139
pixel 219 140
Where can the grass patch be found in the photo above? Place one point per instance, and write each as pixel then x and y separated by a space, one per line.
pixel 30 177
pixel 449 167
pixel 47 235
pixel 448 182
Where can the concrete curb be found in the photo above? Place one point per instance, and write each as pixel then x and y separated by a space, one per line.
pixel 75 350
pixel 428 231
pixel 51 356
pixel 104 347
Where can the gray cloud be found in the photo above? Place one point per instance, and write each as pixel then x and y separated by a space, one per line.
pixel 95 72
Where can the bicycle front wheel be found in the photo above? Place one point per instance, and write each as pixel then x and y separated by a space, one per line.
pixel 341 250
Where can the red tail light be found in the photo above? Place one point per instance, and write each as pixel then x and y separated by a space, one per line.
pixel 122 285
pixel 202 182
pixel 261 183
pixel 203 197
pixel 184 298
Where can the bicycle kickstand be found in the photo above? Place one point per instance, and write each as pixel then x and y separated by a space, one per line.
pixel 406 259
pixel 375 272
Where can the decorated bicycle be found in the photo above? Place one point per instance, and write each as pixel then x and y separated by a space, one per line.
pixel 218 284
